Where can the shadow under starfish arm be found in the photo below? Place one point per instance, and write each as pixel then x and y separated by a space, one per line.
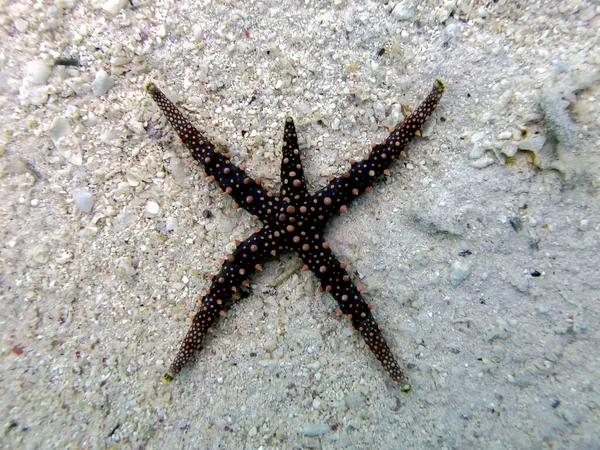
pixel 341 191
pixel 246 192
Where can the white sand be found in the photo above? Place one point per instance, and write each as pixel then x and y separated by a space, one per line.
pixel 94 304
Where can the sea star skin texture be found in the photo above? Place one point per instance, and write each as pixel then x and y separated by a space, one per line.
pixel 293 221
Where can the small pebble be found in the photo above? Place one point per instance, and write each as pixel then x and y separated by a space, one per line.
pixel 113 7
pixel 396 115
pixel 21 25
pixel 401 12
pixel 451 31
pixel 314 365
pixel 64 4
pixel 59 128
pixel 503 101
pixel 533 144
pixel 102 83
pixel 483 162
pixel 37 72
pixel 477 151
pixel 84 200
pixel 505 135
pixel 198 33
pixel 171 224
pixel 509 149
pixel 584 225
pixel 270 345
pixel 335 125
pixel 459 271
pixel 152 208
pixel 314 430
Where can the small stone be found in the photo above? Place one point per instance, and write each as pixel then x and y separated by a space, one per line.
pixel 113 7
pixel 270 345
pixel 335 125
pixel 505 135
pixel 152 208
pixel 64 258
pixel 84 200
pixel 314 365
pixel 483 162
pixel 198 34
pixel 171 224
pixel 459 271
pixel 584 225
pixel 37 72
pixel 509 149
pixel 88 232
pixel 533 144
pixel 116 61
pixel 102 83
pixel 64 4
pixel 451 32
pixel 65 140
pixel 91 120
pixel 314 430
pixel 503 101
pixel 401 12
pixel 21 25
pixel 477 151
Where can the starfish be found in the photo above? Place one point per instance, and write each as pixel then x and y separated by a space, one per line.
pixel 293 221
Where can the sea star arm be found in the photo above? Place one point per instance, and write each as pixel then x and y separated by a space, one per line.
pixel 234 272
pixel 340 191
pixel 293 185
pixel 334 279
pixel 246 191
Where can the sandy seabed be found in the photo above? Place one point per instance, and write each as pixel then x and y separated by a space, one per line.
pixel 480 251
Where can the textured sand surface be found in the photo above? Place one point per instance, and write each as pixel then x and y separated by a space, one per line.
pixel 480 251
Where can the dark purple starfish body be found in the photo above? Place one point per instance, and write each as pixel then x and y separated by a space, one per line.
pixel 293 221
